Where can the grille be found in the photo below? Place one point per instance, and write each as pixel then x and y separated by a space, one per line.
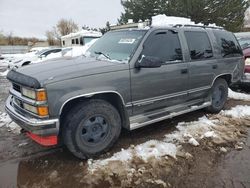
pixel 18 102
pixel 16 87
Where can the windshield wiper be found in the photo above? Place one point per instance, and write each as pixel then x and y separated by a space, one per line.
pixel 105 55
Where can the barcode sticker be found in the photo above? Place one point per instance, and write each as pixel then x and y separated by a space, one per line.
pixel 126 41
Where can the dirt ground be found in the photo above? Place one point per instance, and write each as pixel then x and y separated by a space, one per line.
pixel 26 164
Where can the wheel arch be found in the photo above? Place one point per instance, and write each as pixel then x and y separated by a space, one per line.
pixel 112 97
pixel 227 77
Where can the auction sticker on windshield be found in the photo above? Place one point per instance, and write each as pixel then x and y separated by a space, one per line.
pixel 126 41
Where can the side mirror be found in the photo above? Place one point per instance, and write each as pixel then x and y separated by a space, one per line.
pixel 149 62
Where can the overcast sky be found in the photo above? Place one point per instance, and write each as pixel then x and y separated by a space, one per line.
pixel 31 18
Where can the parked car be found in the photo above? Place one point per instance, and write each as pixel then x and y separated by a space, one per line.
pixel 244 41
pixel 37 57
pixel 129 78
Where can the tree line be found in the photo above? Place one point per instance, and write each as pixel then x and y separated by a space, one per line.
pixel 10 39
pixel 226 13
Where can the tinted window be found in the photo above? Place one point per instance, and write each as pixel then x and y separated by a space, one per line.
pixel 228 44
pixel 63 42
pixel 73 41
pixel 47 52
pixel 77 41
pixel 163 45
pixel 57 50
pixel 199 45
pixel 88 39
pixel 81 41
pixel 244 43
pixel 51 51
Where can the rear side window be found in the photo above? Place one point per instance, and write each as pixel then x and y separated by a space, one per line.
pixel 199 45
pixel 164 45
pixel 228 45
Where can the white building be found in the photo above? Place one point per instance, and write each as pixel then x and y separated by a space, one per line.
pixel 79 38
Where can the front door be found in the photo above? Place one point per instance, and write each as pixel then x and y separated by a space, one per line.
pixel 153 89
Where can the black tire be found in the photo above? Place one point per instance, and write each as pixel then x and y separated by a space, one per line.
pixel 219 94
pixel 91 128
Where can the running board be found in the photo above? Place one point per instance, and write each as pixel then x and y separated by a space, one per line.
pixel 135 125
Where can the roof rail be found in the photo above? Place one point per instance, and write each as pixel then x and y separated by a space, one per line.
pixel 198 26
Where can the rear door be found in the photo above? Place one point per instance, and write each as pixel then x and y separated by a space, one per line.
pixel 202 64
pixel 156 88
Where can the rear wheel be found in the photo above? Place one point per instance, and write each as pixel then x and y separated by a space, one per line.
pixel 219 94
pixel 91 128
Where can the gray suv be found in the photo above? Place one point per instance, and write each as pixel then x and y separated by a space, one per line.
pixel 128 79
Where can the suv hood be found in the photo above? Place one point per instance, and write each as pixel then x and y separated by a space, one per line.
pixel 66 68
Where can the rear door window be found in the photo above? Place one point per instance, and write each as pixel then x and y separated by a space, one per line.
pixel 164 45
pixel 228 44
pixel 199 45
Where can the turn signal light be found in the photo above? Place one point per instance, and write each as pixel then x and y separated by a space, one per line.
pixel 41 95
pixel 43 110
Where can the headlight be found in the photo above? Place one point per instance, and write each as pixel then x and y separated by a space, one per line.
pixel 247 61
pixel 29 93
pixel 40 110
pixel 30 108
pixel 39 95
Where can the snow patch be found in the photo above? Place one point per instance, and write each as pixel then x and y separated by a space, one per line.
pixel 210 134
pixel 152 148
pixel 4 73
pixel 193 142
pixel 237 112
pixel 155 148
pixel 5 121
pixel 162 20
pixel 188 130
pixel 238 96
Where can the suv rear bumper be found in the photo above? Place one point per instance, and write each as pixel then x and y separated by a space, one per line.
pixel 41 127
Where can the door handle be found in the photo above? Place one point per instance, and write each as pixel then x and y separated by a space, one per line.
pixel 215 66
pixel 184 71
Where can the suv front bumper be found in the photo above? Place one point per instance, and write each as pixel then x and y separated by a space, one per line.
pixel 41 127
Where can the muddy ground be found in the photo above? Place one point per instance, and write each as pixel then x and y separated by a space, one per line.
pixel 26 164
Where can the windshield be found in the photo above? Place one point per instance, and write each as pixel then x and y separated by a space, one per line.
pixel 118 45
pixel 244 43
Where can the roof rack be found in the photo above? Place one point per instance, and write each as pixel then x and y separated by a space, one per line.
pixel 198 26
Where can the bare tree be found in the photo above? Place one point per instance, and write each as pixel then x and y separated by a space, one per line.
pixel 51 38
pixel 65 27
pixel 10 38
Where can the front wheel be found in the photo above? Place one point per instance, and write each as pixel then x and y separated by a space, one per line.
pixel 219 94
pixel 91 128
